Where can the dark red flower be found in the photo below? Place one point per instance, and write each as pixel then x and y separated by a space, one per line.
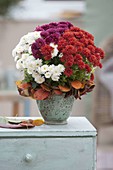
pixel 69 63
pixel 78 34
pixel 61 44
pixel 90 42
pixel 69 49
pixel 88 35
pixel 78 57
pixel 91 48
pixel 74 29
pixel 101 52
pixel 100 65
pixel 92 77
pixel 84 41
pixel 72 41
pixel 68 35
pixel 88 68
pixel 68 72
pixel 46 50
pixel 63 58
pixel 86 52
pixel 69 58
pixel 81 64
pixel 47 57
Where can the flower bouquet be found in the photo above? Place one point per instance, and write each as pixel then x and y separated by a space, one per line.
pixel 56 60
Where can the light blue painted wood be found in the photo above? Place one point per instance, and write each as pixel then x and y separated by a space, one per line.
pixel 76 126
pixel 49 147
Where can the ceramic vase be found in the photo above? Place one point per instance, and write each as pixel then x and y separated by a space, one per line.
pixel 56 109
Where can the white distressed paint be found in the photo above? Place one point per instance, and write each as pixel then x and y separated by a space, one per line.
pixel 47 147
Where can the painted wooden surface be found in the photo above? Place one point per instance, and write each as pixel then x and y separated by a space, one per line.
pixel 76 126
pixel 49 148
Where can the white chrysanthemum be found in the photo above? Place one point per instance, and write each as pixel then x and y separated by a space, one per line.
pixel 14 52
pixel 51 68
pixel 55 77
pixel 57 71
pixel 16 58
pixel 44 68
pixel 19 49
pixel 25 56
pixel 26 47
pixel 39 70
pixel 30 70
pixel 61 68
pixel 27 61
pixel 34 65
pixel 60 55
pixel 34 74
pixel 31 66
pixel 47 74
pixel 23 40
pixel 38 62
pixel 55 50
pixel 31 57
pixel 30 39
pixel 36 34
pixel 19 64
pixel 29 50
pixel 53 45
pixel 39 79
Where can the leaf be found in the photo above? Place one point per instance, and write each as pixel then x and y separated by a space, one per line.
pixel 34 85
pixel 18 83
pixel 25 85
pixel 76 84
pixel 14 121
pixel 45 87
pixel 58 92
pixel 38 122
pixel 40 94
pixel 64 88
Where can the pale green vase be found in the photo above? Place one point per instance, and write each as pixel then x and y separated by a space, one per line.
pixel 56 109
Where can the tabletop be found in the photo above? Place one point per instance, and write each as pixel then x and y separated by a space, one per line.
pixel 76 126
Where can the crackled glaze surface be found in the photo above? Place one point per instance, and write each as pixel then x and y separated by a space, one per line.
pixel 56 109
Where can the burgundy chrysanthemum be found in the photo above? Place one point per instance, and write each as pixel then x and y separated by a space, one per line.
pixel 35 50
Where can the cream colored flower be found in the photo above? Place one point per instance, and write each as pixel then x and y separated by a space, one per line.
pixel 47 74
pixel 39 79
pixel 55 77
pixel 44 68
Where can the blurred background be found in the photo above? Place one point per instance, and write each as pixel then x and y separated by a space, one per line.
pixel 18 17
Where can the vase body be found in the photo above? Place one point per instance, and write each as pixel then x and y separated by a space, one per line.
pixel 56 109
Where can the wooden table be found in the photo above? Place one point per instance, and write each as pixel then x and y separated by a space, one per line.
pixel 50 147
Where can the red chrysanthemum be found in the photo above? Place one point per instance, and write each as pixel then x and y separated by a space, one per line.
pixel 68 63
pixel 101 52
pixel 46 51
pixel 86 52
pixel 69 49
pixel 92 77
pixel 67 35
pixel 47 57
pixel 81 64
pixel 91 48
pixel 61 44
pixel 88 68
pixel 68 72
